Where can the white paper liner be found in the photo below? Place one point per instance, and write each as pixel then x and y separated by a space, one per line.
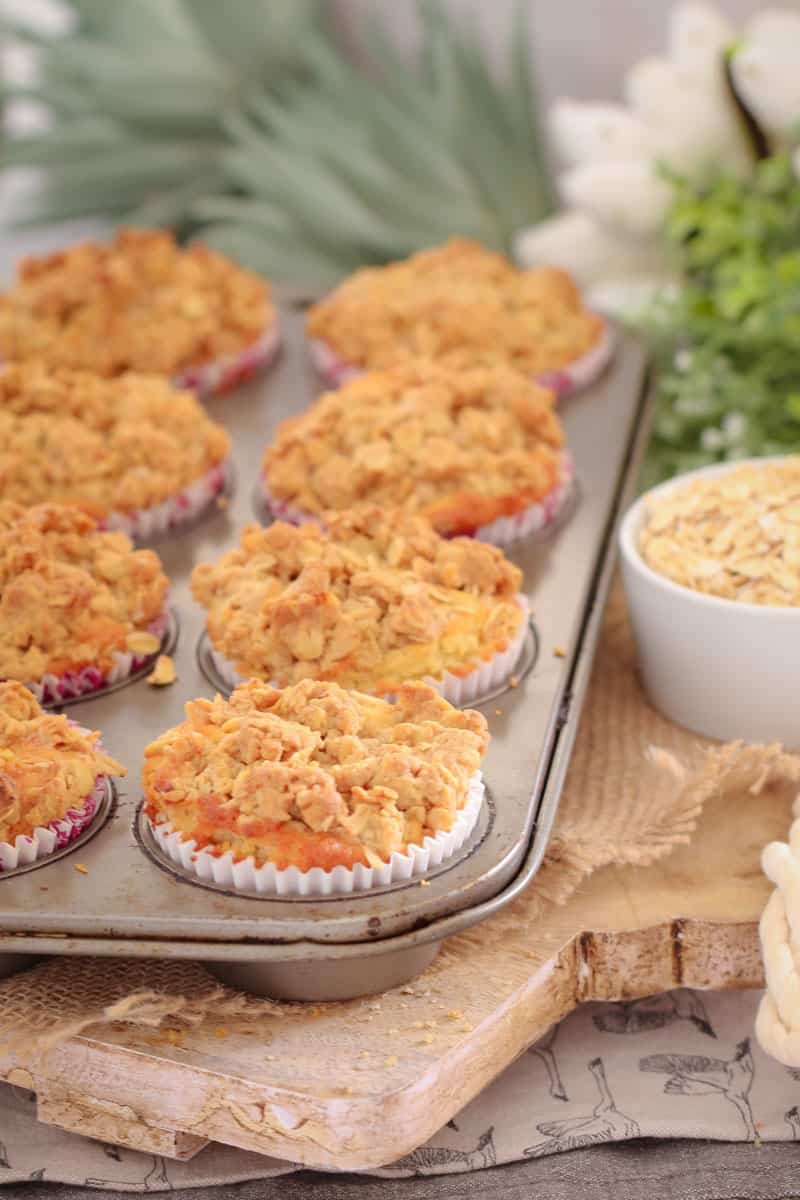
pixel 500 532
pixel 177 510
pixel 564 381
pixel 245 876
pixel 224 374
pixel 56 689
pixel 457 689
pixel 59 833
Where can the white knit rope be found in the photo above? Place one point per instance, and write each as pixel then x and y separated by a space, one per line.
pixel 778 1020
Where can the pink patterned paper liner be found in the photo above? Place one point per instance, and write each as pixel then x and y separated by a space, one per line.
pixel 58 689
pixel 501 532
pixel 459 690
pixel 225 374
pixel 177 510
pixel 242 875
pixel 44 840
pixel 564 381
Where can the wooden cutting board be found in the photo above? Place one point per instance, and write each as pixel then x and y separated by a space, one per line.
pixel 359 1084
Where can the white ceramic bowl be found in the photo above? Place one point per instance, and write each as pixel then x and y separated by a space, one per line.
pixel 718 667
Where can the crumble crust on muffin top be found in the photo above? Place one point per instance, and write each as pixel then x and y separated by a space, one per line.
pixel 103 445
pixel 314 775
pixel 461 447
pixel 375 599
pixel 137 303
pixel 457 300
pixel 47 765
pixel 70 595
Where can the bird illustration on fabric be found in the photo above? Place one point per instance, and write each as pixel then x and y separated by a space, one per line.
pixel 544 1051
pixel 4 1157
pixel 155 1180
pixel 792 1119
pixel 654 1012
pixel 427 1159
pixel 699 1075
pixel 605 1123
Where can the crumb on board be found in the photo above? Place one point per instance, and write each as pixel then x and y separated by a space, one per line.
pixel 513 681
pixel 163 673
pixel 559 652
pixel 427 1039
pixel 391 1061
pixel 220 1033
pixel 223 502
pixel 424 883
pixel 82 868
pixel 455 1014
pixel 498 712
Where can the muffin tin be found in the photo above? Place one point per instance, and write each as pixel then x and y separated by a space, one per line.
pixel 133 902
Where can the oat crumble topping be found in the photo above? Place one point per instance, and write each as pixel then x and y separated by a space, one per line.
pixel 461 304
pixel 138 303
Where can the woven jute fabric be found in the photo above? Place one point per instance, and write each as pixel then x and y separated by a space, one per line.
pixel 635 789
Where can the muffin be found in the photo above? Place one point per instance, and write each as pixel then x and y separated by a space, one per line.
pixel 131 452
pixel 372 601
pixel 140 303
pixel 461 305
pixel 52 778
pixel 315 789
pixel 79 608
pixel 477 451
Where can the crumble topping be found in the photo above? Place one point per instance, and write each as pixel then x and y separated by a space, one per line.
pixel 314 775
pixel 103 445
pixel 376 599
pixel 71 595
pixel 47 765
pixel 736 535
pixel 461 447
pixel 458 303
pixel 137 303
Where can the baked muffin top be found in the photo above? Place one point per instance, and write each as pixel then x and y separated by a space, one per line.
pixel 376 599
pixel 735 535
pixel 137 303
pixel 47 765
pixel 314 775
pixel 70 595
pixel 104 445
pixel 461 447
pixel 458 303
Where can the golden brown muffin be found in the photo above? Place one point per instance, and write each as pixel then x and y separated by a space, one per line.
pixel 461 447
pixel 47 765
pixel 138 303
pixel 314 775
pixel 70 595
pixel 457 303
pixel 103 445
pixel 376 599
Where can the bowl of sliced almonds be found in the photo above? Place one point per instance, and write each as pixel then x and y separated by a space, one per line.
pixel 711 567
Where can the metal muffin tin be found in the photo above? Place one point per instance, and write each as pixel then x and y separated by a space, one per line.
pixel 133 903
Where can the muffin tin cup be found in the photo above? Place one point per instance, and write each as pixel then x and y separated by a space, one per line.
pixel 243 876
pixel 476 686
pixel 45 840
pixel 225 374
pixel 563 382
pixel 90 680
pixel 177 510
pixel 503 531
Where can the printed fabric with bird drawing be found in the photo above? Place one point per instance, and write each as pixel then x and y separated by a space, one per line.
pixel 683 1064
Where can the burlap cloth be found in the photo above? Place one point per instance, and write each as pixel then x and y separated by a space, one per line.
pixel 636 787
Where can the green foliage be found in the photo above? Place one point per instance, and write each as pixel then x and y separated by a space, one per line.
pixel 241 123
pixel 728 340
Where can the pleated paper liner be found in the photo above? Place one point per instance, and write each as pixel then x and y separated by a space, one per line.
pixel 542 517
pixel 53 691
pixel 485 682
pixel 225 374
pixel 564 381
pixel 185 507
pixel 242 876
pixel 60 836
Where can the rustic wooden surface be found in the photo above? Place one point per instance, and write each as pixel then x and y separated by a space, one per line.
pixel 359 1084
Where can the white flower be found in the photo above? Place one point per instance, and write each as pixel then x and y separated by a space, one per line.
pixel 766 75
